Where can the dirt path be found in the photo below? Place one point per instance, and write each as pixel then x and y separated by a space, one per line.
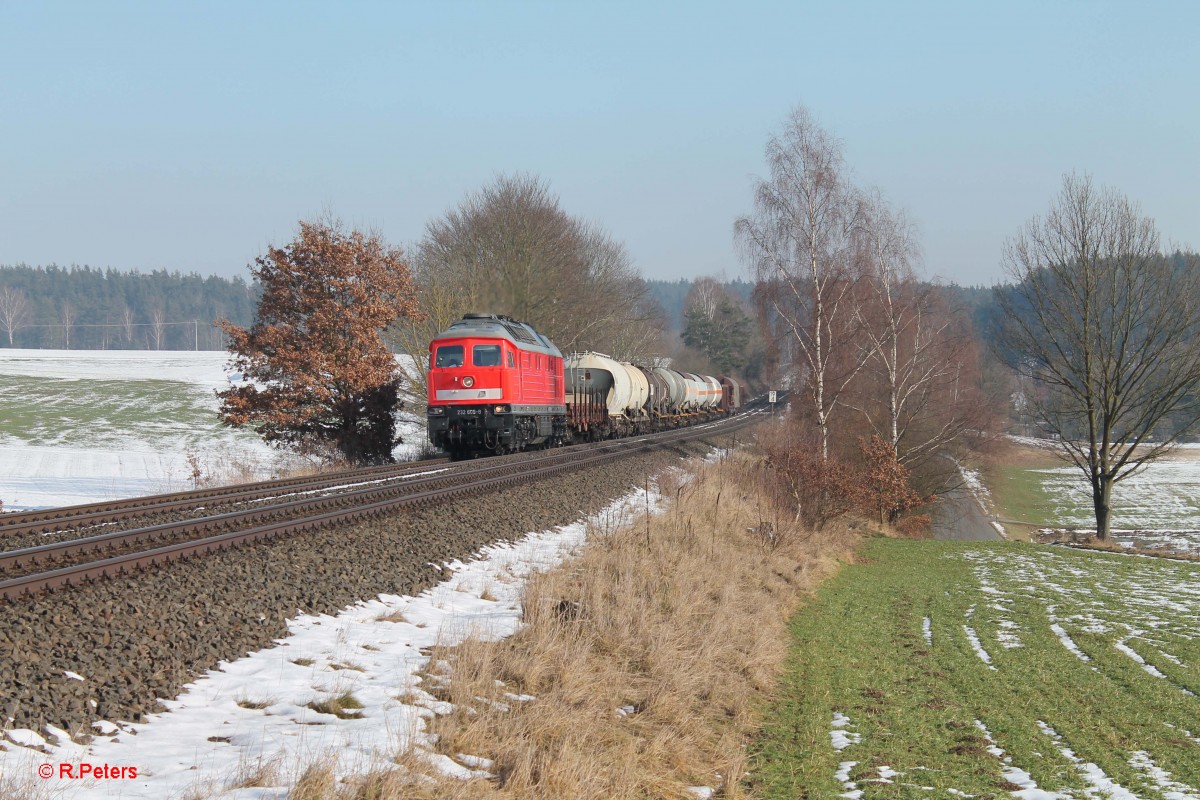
pixel 959 517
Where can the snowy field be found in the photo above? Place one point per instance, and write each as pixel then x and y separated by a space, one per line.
pixel 248 729
pixel 80 426
pixel 1159 507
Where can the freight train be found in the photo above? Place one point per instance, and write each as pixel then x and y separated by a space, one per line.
pixel 496 385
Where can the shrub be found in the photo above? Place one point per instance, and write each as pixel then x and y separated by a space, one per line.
pixel 817 491
pixel 883 486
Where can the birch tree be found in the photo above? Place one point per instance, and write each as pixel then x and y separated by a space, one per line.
pixel 918 369
pixel 1109 328
pixel 800 242
pixel 15 311
pixel 66 317
pixel 158 329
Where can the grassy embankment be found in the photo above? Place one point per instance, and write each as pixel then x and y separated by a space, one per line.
pixel 920 703
pixel 644 665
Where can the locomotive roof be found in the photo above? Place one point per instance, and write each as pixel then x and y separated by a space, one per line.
pixel 498 326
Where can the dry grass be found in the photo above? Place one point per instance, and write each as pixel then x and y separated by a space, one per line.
pixel 316 782
pixel 229 466
pixel 650 656
pixel 1088 541
pixel 257 773
pixel 25 787
pixel 342 706
pixel 1027 456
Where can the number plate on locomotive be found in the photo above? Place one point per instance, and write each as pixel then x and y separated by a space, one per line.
pixel 469 411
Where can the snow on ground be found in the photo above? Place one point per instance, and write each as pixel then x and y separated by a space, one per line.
pixel 975 483
pixel 1146 611
pixel 205 368
pixel 81 426
pixel 1160 498
pixel 254 716
pixel 1156 508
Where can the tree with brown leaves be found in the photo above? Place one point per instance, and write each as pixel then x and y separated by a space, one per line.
pixel 884 486
pixel 319 376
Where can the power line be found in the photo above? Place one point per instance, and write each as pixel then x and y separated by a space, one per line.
pixel 190 322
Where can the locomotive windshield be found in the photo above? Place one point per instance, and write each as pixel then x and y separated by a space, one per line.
pixel 486 355
pixel 450 355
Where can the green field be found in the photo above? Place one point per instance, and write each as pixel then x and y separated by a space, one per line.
pixel 1158 507
pixel 991 669
pixel 1020 495
pixel 45 411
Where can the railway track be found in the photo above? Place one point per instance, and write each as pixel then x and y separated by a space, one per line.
pixel 33 570
pixel 123 511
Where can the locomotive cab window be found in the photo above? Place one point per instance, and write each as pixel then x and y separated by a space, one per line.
pixel 450 355
pixel 486 355
pixel 512 362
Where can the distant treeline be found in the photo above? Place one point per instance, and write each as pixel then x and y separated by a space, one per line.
pixel 85 308
pixel 82 308
pixel 671 295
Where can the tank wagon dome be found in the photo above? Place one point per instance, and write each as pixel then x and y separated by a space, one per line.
pixel 676 386
pixel 499 326
pixel 625 387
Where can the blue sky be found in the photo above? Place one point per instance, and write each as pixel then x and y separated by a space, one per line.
pixel 191 136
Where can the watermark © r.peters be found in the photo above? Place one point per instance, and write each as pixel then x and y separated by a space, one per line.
pixel 85 770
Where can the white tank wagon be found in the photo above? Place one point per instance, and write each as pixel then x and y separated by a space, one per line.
pixel 624 387
pixel 640 398
pixel 696 391
pixel 676 388
pixel 711 395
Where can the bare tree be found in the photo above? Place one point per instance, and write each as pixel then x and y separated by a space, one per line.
pixel 158 327
pixel 66 316
pixel 511 249
pixel 801 243
pixel 127 324
pixel 1109 329
pixel 705 296
pixel 441 304
pixel 918 354
pixel 15 311
pixel 716 324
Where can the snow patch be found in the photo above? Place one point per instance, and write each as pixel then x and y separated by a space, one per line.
pixel 841 737
pixel 218 727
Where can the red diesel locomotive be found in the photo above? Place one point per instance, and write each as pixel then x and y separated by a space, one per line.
pixel 495 385
pixel 498 386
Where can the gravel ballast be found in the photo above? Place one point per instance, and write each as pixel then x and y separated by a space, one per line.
pixel 142 637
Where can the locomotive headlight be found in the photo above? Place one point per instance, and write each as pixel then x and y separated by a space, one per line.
pixel 435 411
pixel 503 409
pixel 468 381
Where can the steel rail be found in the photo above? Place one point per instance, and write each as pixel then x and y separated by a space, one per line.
pixel 70 575
pixel 109 541
pixel 54 551
pixel 66 517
